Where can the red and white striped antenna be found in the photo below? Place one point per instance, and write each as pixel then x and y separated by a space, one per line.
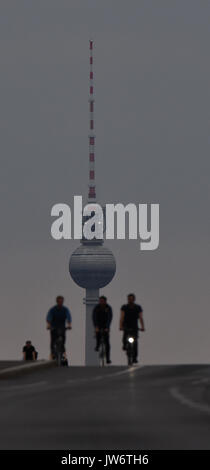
pixel 92 186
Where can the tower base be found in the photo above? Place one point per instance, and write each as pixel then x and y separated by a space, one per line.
pixel 91 356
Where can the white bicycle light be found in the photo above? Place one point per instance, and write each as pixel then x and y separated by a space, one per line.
pixel 131 340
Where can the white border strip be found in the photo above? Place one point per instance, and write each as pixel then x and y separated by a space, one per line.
pixel 174 391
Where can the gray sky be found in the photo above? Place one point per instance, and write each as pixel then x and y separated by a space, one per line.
pixel 151 62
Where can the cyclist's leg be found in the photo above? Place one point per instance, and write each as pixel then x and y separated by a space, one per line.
pixel 124 340
pixel 53 336
pixel 107 345
pixel 64 342
pixel 98 340
pixel 136 347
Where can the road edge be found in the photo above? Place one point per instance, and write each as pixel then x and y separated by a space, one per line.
pixel 25 368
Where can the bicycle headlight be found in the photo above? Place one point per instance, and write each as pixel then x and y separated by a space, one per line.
pixel 131 340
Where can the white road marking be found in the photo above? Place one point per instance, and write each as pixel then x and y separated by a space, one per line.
pixel 25 367
pixel 174 391
pixel 201 381
pixel 130 370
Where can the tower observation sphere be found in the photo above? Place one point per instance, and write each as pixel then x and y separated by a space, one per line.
pixel 92 265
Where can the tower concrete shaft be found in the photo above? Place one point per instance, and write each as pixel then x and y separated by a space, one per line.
pixel 91 356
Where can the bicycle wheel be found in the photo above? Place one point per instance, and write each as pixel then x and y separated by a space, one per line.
pixel 102 354
pixel 130 355
pixel 59 358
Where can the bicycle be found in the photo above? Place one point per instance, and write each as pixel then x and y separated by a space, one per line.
pixel 102 348
pixel 130 345
pixel 58 346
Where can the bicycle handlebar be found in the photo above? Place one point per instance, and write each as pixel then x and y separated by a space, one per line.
pixel 131 329
pixel 59 328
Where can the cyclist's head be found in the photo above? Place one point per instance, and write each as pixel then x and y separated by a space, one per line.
pixel 102 300
pixel 28 343
pixel 131 298
pixel 59 300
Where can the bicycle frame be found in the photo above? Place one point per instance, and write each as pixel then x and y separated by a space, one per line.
pixel 59 345
pixel 102 349
pixel 131 338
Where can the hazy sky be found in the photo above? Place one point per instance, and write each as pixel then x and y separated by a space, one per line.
pixel 152 73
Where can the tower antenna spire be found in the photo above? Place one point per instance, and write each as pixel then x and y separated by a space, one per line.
pixel 92 186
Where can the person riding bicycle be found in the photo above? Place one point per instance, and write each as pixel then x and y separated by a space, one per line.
pixel 131 314
pixel 57 318
pixel 102 318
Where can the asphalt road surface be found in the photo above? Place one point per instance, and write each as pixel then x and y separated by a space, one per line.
pixel 162 407
pixel 6 364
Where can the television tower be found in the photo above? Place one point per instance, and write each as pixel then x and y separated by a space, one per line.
pixel 92 265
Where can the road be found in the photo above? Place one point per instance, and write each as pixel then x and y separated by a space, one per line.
pixel 6 364
pixel 152 407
